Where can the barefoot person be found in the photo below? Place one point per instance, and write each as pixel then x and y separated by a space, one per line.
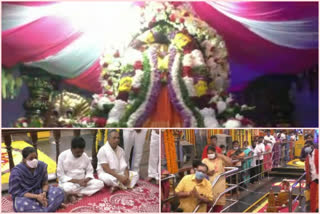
pixel 28 185
pixel 75 172
pixel 112 167
pixel 153 167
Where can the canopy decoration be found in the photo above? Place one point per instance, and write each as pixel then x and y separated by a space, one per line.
pixel 70 40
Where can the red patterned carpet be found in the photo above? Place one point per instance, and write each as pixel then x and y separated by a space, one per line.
pixel 143 198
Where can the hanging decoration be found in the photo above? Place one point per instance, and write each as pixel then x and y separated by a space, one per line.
pixel 170 151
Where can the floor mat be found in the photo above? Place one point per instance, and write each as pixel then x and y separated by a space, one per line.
pixel 143 198
pixel 17 147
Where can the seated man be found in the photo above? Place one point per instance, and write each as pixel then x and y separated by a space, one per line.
pixel 194 189
pixel 75 172
pixel 112 167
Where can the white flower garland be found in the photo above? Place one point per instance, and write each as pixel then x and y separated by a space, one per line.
pixel 117 111
pixel 209 116
pixel 134 116
pixel 175 83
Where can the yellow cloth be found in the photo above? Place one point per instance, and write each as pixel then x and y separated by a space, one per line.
pixel 17 147
pixel 218 166
pixel 187 184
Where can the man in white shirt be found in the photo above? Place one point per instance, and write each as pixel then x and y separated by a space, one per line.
pixel 153 167
pixel 134 138
pixel 260 149
pixel 112 167
pixel 75 172
pixel 269 138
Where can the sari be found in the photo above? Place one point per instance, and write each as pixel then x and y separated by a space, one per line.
pixel 23 181
pixel 218 166
pixel 267 158
pixel 276 151
pixel 246 165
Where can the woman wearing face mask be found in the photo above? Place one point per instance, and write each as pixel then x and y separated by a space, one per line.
pixel 216 163
pixel 247 150
pixel 312 174
pixel 28 186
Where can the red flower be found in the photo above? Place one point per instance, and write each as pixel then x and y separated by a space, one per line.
pixel 116 54
pixel 186 51
pixel 246 122
pixel 123 95
pixel 138 65
pixel 135 90
pixel 185 31
pixel 99 121
pixel 186 71
pixel 109 93
pixel 172 18
pixel 105 77
pixel 214 106
pixel 181 20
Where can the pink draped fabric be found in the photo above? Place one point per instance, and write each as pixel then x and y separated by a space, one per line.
pixel 250 55
pixel 88 80
pixel 37 40
pixel 30 3
pixel 270 11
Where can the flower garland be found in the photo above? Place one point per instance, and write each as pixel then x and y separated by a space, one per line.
pixel 146 81
pixel 144 110
pixel 98 138
pixel 170 149
pixel 195 70
pixel 174 93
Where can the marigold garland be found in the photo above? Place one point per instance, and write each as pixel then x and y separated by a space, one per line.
pixel 170 149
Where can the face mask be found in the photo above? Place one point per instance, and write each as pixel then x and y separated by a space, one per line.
pixel 32 164
pixel 200 175
pixel 308 150
pixel 236 148
pixel 211 156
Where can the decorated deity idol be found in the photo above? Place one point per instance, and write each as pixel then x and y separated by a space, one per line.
pixel 174 73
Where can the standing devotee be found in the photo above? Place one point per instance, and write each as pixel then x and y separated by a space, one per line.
pixel 216 163
pixel 75 171
pixel 246 165
pixel 267 158
pixel 260 149
pixel 276 152
pixel 213 142
pixel 28 185
pixel 194 189
pixel 312 174
pixel 112 167
pixel 236 154
pixel 303 154
pixel 269 138
pixel 153 167
pixel 135 139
